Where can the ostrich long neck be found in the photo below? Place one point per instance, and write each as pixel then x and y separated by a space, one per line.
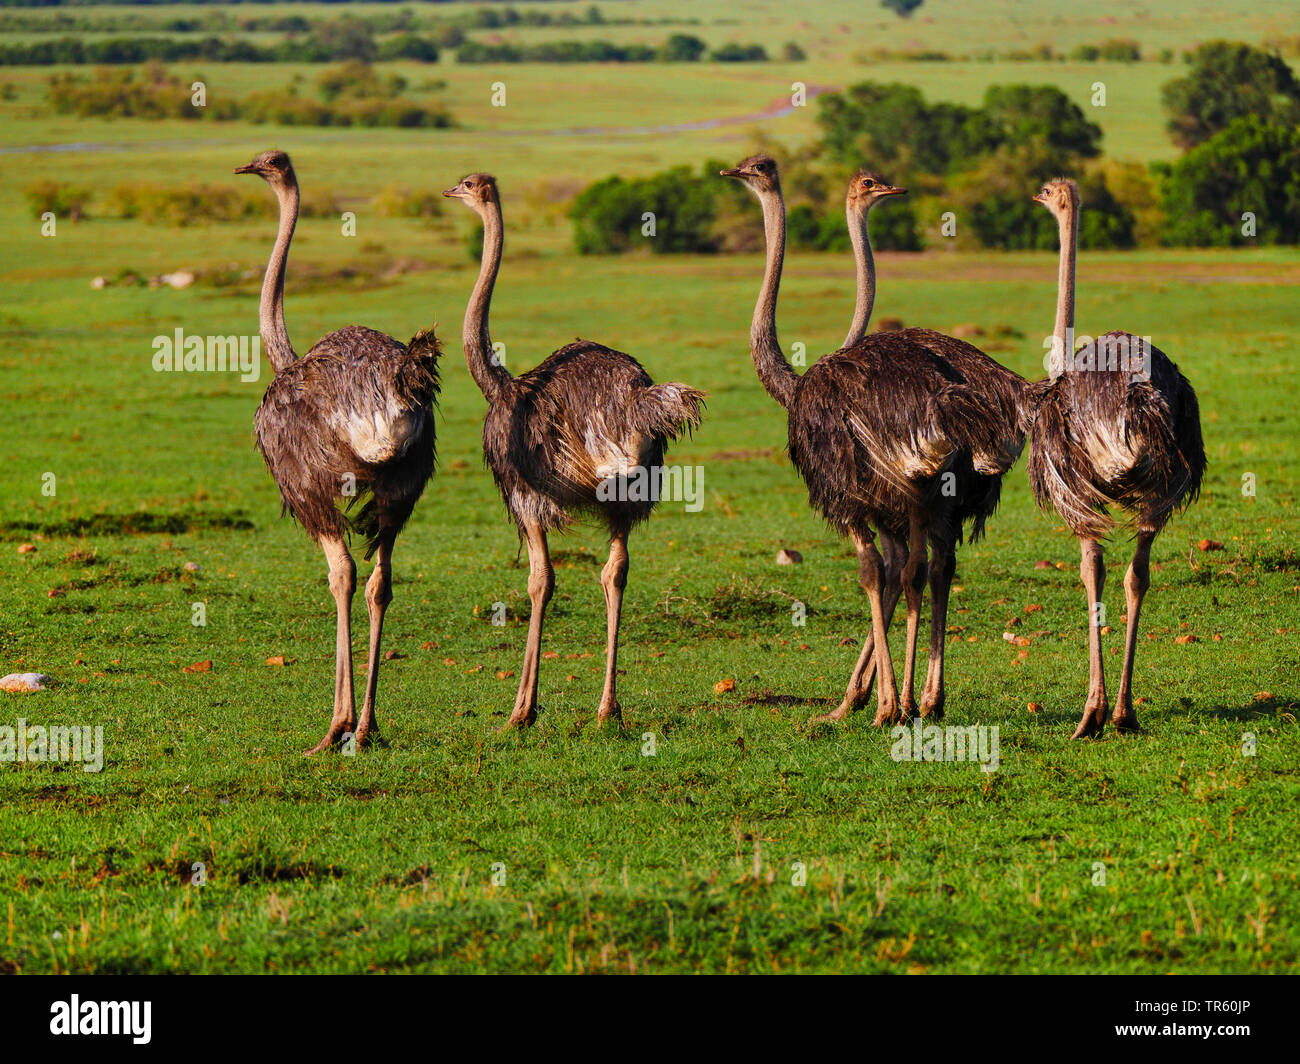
pixel 490 376
pixel 1063 330
pixel 866 265
pixel 775 373
pixel 275 337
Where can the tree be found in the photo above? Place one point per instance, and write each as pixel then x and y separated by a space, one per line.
pixel 994 199
pixel 1229 80
pixel 345 38
pixel 681 48
pixel 892 127
pixel 1019 113
pixel 1251 167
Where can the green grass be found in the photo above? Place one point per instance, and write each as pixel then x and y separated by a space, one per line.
pixel 613 861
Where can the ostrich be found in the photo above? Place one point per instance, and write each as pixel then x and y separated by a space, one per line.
pixel 351 422
pixel 873 428
pixel 1007 408
pixel 1117 425
pixel 572 436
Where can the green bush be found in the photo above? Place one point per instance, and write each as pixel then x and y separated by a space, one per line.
pixel 397 201
pixel 609 216
pixel 1250 166
pixel 1229 80
pixel 65 201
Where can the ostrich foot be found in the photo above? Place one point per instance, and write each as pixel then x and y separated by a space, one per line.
pixel 609 711
pixel 886 714
pixel 932 708
pixel 1092 724
pixel 334 737
pixel 836 715
pixel 1124 718
pixel 522 717
pixel 906 711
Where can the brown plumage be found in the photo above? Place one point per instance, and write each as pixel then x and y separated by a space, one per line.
pixel 1117 426
pixel 561 440
pixel 348 434
pixel 906 434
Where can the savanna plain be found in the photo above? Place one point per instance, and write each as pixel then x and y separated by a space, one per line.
pixel 718 830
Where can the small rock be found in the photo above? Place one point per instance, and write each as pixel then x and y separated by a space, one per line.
pixel 393 655
pixel 191 567
pixel 180 279
pixel 99 282
pixel 788 557
pixel 21 683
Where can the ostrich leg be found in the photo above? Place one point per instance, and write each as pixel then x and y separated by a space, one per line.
pixel 1136 582
pixel 864 672
pixel 343 582
pixel 1092 567
pixel 873 576
pixel 613 578
pixel 541 585
pixel 913 579
pixel 942 567
pixel 379 593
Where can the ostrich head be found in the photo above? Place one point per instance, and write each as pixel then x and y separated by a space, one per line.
pixel 1059 196
pixel 759 172
pixel 867 189
pixel 273 166
pixel 476 191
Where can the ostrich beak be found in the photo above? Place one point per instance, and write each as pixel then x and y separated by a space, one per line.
pixel 893 190
pixel 737 172
pixel 452 192
pixel 249 169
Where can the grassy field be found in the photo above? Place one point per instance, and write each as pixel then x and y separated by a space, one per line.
pixel 455 848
